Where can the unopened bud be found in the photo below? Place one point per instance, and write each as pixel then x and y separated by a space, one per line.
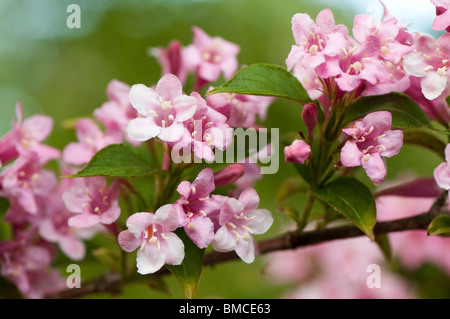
pixel 297 152
pixel 309 116
pixel 228 175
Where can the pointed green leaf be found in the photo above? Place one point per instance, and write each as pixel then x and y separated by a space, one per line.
pixel 440 226
pixel 188 273
pixel 116 160
pixel 267 80
pixel 351 198
pixel 405 112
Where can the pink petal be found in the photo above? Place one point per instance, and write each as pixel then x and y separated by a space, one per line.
pixel 167 217
pixel 84 220
pixel 442 176
pixel 173 133
pixel 204 183
pixel 200 230
pixel 249 199
pixel 224 240
pixel 143 99
pixel 302 26
pixel 229 210
pixel 261 220
pixel 392 142
pixel 375 168
pixel 72 248
pixel 111 215
pixel 433 85
pixel 414 63
pixel 75 198
pixel 128 242
pixel 138 222
pixel 77 153
pixel 246 250
pixel 185 107
pixel 173 248
pixel 143 129
pixel 37 127
pixel 351 155
pixel 169 87
pixel 150 259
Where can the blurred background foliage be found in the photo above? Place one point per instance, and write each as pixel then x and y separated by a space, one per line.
pixel 64 73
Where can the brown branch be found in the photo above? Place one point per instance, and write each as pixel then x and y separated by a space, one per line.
pixel 112 282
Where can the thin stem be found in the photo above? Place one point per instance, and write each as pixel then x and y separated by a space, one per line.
pixel 303 220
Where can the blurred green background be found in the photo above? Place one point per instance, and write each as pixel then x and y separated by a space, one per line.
pixel 64 73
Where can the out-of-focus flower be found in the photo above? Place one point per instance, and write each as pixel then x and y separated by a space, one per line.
pixel 442 20
pixel 171 59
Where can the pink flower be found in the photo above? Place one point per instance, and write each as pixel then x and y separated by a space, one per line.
pixel 442 20
pixel 161 111
pixel 229 174
pixel 239 220
pixel 430 63
pixel 371 138
pixel 153 235
pixel 193 208
pixel 206 131
pixel 171 59
pixel 309 116
pixel 25 181
pixel 91 139
pixel 93 201
pixel 315 41
pixel 297 152
pixel 116 113
pixel 241 110
pixel 26 136
pixel 442 172
pixel 209 57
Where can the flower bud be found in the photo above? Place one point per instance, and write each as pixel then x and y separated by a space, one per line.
pixel 228 175
pixel 297 152
pixel 309 116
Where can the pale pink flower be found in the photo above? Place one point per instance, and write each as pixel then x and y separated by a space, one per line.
pixel 116 113
pixel 442 20
pixel 193 207
pixel 171 59
pixel 207 130
pixel 161 111
pixel 93 201
pixel 241 110
pixel 239 220
pixel 26 136
pixel 91 139
pixel 25 181
pixel 442 172
pixel 430 63
pixel 297 152
pixel 153 235
pixel 315 41
pixel 371 138
pixel 209 57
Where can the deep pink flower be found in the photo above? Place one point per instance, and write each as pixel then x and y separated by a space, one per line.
pixel 193 207
pixel 309 116
pixel 153 235
pixel 93 201
pixel 430 63
pixel 116 113
pixel 239 220
pixel 442 20
pixel 206 131
pixel 26 136
pixel 161 111
pixel 371 138
pixel 171 59
pixel 91 139
pixel 210 57
pixel 297 152
pixel 25 181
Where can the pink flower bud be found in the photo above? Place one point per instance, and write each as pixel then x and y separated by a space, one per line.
pixel 228 175
pixel 297 152
pixel 309 116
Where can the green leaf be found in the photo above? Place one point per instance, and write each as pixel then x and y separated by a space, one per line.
pixel 267 80
pixel 188 273
pixel 116 160
pixel 424 139
pixel 351 198
pixel 405 112
pixel 440 226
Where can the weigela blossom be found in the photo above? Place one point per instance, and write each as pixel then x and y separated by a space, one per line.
pixel 171 59
pixel 91 139
pixel 430 63
pixel 93 201
pixel 442 20
pixel 153 235
pixel 193 208
pixel 241 110
pixel 117 112
pixel 25 181
pixel 209 57
pixel 205 131
pixel 161 111
pixel 229 174
pixel 239 220
pixel 371 138
pixel 442 172
pixel 26 136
